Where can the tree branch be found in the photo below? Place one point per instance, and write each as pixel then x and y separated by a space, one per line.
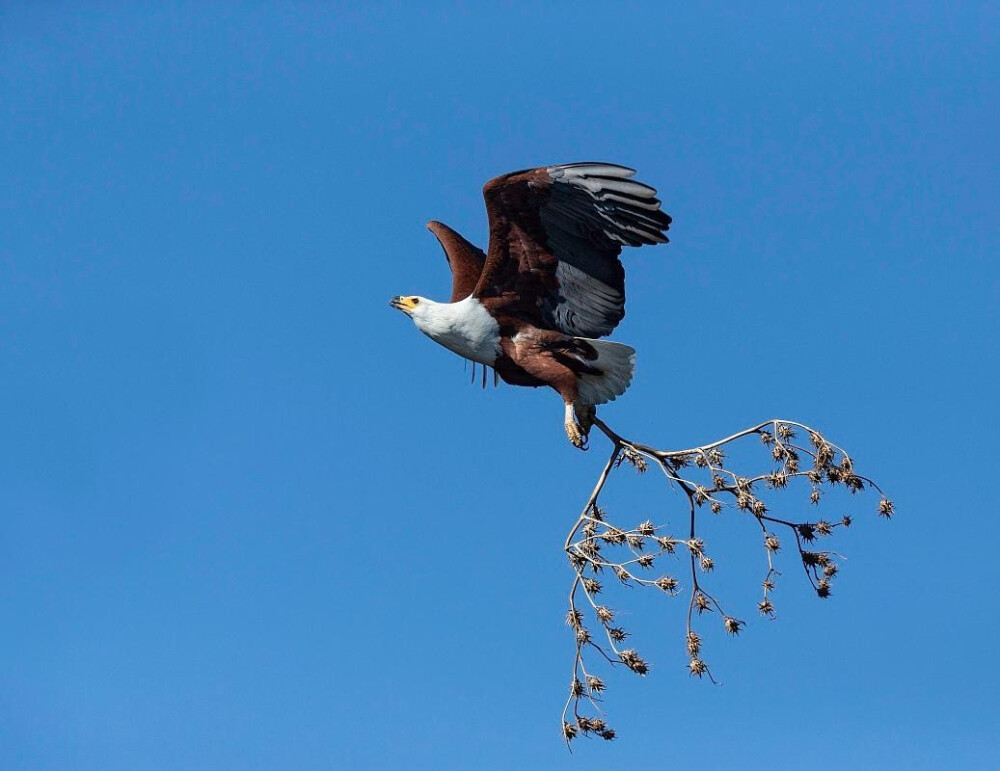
pixel 595 546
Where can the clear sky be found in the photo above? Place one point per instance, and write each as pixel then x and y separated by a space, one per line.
pixel 250 518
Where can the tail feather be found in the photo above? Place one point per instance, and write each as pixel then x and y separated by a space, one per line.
pixel 616 361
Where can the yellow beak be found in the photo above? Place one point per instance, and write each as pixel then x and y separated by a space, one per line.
pixel 405 304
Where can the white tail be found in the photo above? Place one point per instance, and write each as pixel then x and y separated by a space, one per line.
pixel 617 363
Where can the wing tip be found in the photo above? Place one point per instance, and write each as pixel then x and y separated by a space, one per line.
pixel 622 171
pixel 628 212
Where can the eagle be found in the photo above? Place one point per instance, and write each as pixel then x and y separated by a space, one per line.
pixel 550 284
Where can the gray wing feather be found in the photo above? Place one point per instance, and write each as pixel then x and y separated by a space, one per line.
pixel 590 212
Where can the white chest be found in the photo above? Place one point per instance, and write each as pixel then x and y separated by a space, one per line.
pixel 464 327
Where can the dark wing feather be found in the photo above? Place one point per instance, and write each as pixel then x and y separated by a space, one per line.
pixel 555 236
pixel 465 259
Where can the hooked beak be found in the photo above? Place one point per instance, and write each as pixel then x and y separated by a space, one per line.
pixel 404 304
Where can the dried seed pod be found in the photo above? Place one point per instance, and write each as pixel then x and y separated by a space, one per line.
pixel 667 544
pixel 633 661
pixel 785 431
pixel 667 584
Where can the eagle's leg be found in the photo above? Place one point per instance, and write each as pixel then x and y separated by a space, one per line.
pixel 579 421
pixel 574 431
pixel 542 357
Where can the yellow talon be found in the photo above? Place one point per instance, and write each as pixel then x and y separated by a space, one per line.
pixel 576 433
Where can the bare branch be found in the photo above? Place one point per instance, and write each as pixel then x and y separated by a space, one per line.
pixel 596 547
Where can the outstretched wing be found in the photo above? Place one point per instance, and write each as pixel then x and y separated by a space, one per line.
pixel 555 236
pixel 465 259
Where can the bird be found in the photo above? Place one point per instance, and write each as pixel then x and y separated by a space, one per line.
pixel 550 284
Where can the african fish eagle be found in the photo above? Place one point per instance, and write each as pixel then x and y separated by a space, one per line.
pixel 549 284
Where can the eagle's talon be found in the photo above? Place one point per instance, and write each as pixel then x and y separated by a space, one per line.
pixel 576 435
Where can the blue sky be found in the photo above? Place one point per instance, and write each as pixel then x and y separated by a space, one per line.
pixel 251 518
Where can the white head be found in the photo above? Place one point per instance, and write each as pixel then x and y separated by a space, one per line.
pixel 420 309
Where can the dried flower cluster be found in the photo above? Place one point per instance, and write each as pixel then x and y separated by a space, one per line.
pixel 599 550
